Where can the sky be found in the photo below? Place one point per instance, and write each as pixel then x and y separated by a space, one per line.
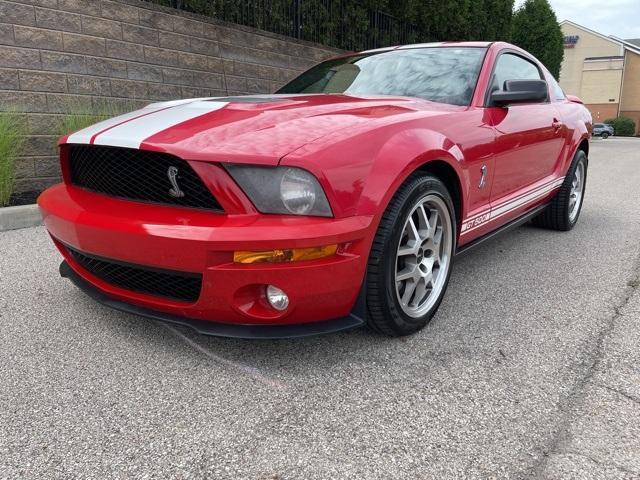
pixel 609 17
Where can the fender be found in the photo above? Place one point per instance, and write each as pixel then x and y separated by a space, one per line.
pixel 380 159
pixel 420 147
pixel 382 163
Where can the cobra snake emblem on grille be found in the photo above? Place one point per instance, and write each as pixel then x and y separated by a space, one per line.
pixel 175 191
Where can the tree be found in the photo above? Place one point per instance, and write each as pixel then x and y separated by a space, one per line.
pixel 441 20
pixel 535 28
pixel 500 16
pixel 363 24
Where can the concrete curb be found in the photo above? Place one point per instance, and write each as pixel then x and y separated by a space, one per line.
pixel 22 216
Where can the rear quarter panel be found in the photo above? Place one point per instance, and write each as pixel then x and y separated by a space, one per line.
pixel 579 124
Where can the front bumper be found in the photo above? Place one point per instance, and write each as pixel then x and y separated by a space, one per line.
pixel 264 332
pixel 202 242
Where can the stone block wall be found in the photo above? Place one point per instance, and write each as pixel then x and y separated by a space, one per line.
pixel 58 56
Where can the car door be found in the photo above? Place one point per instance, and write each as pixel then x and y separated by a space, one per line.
pixel 529 137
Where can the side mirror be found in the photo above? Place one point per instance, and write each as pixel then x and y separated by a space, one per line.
pixel 520 91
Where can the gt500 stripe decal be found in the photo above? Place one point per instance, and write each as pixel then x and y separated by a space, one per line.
pixel 507 207
pixel 499 210
pixel 474 222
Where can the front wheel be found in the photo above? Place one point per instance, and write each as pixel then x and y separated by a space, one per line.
pixel 411 257
pixel 564 210
pixel 605 135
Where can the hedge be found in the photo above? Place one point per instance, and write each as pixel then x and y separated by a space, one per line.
pixel 622 126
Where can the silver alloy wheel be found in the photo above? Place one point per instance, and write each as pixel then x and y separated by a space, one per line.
pixel 424 256
pixel 577 190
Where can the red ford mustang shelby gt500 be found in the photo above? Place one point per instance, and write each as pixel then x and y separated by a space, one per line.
pixel 339 201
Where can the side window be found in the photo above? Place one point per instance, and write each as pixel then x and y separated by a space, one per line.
pixel 513 67
pixel 556 91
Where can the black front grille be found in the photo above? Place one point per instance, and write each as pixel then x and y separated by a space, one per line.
pixel 139 175
pixel 161 283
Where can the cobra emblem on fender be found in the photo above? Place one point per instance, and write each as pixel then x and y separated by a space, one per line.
pixel 483 176
pixel 174 191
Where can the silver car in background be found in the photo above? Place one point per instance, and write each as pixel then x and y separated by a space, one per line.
pixel 602 130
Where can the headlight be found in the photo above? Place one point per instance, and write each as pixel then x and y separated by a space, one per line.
pixel 287 190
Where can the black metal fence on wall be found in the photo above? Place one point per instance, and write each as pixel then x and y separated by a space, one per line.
pixel 341 24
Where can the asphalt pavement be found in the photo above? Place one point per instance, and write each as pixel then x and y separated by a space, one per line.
pixel 530 369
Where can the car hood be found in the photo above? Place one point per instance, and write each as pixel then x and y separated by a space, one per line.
pixel 257 129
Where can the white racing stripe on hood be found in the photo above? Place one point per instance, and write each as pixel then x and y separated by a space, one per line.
pixel 86 134
pixel 132 133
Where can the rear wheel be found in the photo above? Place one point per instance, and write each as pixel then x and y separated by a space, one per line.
pixel 411 257
pixel 565 208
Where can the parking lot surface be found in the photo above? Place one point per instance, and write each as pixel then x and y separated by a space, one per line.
pixel 529 370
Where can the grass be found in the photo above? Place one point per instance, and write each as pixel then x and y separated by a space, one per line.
pixel 13 130
pixel 78 118
pixel 72 122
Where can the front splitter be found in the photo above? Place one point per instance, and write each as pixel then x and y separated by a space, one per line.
pixel 215 328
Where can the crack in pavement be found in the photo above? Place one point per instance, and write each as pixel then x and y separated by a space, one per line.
pixel 577 395
pixel 619 392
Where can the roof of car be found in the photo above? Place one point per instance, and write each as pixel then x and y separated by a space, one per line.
pixel 431 44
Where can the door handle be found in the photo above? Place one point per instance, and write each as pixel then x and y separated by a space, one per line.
pixel 556 124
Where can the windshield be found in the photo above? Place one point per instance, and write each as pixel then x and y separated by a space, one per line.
pixel 438 74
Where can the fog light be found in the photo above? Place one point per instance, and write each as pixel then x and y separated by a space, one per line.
pixel 277 298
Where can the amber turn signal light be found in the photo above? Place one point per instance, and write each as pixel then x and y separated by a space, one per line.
pixel 285 255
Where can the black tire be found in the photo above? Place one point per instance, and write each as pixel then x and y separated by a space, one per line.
pixel 605 135
pixel 557 215
pixel 385 314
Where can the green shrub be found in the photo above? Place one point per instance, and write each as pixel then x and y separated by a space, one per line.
pixel 13 129
pixel 622 126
